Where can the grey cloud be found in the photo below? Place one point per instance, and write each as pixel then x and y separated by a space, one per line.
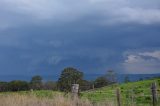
pixel 139 63
pixel 154 54
pixel 112 11
pixel 46 34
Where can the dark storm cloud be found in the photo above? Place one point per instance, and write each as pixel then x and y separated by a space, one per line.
pixel 43 37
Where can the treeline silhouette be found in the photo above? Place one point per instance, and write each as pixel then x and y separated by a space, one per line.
pixel 68 77
pixel 36 83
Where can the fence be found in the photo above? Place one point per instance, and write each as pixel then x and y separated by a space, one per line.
pixel 130 97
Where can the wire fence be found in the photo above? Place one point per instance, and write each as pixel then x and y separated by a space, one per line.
pixel 129 97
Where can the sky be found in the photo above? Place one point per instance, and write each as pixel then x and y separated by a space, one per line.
pixel 45 36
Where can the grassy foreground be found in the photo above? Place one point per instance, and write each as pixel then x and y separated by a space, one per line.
pixel 132 94
pixel 38 98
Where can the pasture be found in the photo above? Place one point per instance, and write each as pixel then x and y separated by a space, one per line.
pixel 132 94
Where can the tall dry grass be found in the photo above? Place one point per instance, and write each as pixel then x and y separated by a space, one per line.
pixel 31 100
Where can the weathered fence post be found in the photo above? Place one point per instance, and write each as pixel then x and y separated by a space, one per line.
pixel 118 97
pixel 154 93
pixel 75 89
pixel 132 98
pixel 93 86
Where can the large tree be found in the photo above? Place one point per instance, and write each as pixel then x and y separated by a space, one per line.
pixel 111 76
pixel 68 77
pixel 36 82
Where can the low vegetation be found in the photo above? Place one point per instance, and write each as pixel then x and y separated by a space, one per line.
pixel 132 94
pixel 44 98
pixel 101 91
pixel 68 77
pixel 137 93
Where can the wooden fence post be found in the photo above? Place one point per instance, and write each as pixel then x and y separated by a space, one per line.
pixel 118 97
pixel 154 93
pixel 93 86
pixel 132 97
pixel 75 89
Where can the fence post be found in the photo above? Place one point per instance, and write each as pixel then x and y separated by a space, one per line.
pixel 93 86
pixel 75 89
pixel 154 93
pixel 118 97
pixel 132 97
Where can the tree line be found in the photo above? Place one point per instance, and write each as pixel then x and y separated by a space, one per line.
pixel 68 77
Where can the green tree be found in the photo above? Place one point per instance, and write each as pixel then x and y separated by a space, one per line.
pixel 111 76
pixel 4 86
pixel 68 77
pixel 18 85
pixel 36 82
pixel 101 82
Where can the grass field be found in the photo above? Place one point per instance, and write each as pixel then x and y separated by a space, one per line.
pixel 138 93
pixel 44 98
pixel 132 94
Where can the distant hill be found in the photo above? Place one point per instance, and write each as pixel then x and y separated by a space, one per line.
pixel 120 77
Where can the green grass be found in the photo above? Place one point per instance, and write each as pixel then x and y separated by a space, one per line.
pixel 43 93
pixel 131 93
pixel 38 93
pixel 138 93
